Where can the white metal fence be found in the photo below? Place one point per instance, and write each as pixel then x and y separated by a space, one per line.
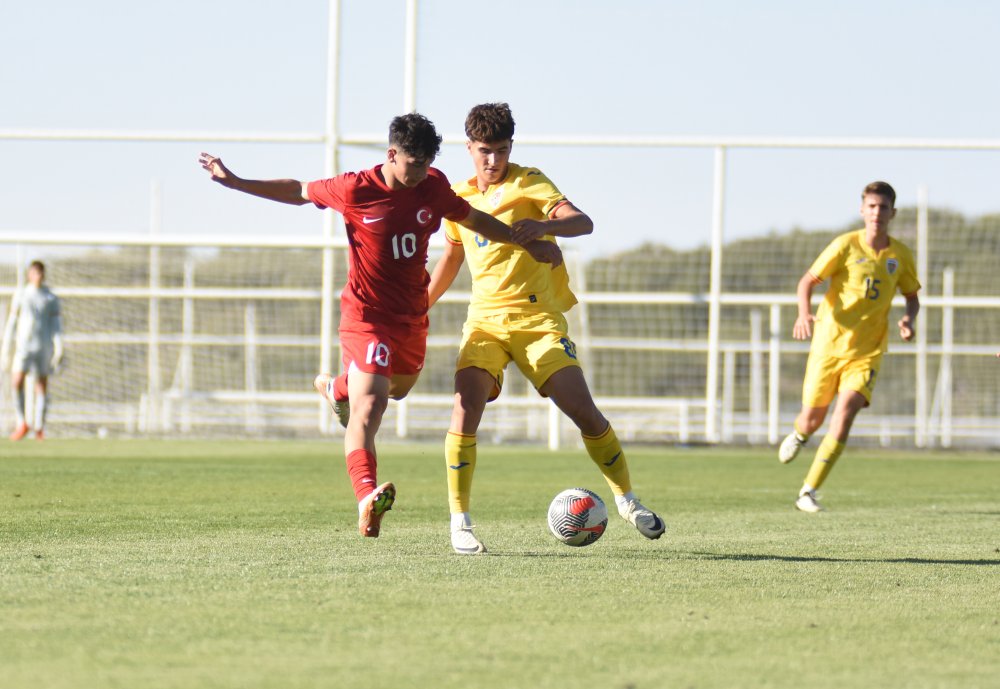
pixel 169 336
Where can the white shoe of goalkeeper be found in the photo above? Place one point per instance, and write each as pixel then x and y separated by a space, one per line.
pixel 463 541
pixel 646 522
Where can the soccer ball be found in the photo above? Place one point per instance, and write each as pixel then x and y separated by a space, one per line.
pixel 577 517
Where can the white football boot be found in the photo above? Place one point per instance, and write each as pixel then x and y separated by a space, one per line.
pixel 646 522
pixel 790 446
pixel 807 502
pixel 463 541
pixel 341 408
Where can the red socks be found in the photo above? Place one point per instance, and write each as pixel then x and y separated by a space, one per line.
pixel 361 468
pixel 340 387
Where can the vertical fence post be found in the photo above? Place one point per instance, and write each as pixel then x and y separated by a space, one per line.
pixel 251 368
pixel 728 396
pixel 774 376
pixel 715 293
pixel 187 344
pixel 756 376
pixel 153 345
pixel 947 351
pixel 923 260
pixel 554 415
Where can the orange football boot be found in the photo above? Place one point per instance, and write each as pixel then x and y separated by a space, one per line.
pixel 372 508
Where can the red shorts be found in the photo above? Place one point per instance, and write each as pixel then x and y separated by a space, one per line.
pixel 383 349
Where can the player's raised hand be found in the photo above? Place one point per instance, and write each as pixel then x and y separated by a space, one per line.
pixel 906 329
pixel 802 330
pixel 220 173
pixel 545 252
pixel 526 231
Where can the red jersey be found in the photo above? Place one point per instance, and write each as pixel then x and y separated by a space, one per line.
pixel 388 232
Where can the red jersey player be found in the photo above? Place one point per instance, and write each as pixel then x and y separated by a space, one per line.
pixel 390 212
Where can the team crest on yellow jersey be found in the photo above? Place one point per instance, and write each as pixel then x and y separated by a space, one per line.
pixel 891 264
pixel 495 198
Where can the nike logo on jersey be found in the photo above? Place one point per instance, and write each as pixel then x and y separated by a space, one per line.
pixel 458 466
pixel 613 460
pixel 368 221
pixel 861 260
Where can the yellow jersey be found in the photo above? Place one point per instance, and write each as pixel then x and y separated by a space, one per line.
pixel 853 319
pixel 505 278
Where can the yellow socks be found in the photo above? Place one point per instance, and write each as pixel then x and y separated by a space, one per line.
pixel 802 436
pixel 460 458
pixel 607 454
pixel 826 455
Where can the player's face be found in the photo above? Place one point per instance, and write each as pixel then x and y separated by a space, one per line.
pixel 407 169
pixel 491 159
pixel 35 277
pixel 877 211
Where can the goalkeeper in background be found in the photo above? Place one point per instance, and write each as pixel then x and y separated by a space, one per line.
pixel 516 314
pixel 35 330
pixel 865 268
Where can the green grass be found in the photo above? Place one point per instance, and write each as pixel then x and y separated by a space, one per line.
pixel 189 564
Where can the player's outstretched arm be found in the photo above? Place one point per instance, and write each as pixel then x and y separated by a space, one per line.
pixel 908 323
pixel 445 272
pixel 290 191
pixel 802 330
pixel 566 221
pixel 489 227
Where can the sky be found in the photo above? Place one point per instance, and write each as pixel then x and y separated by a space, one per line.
pixel 667 68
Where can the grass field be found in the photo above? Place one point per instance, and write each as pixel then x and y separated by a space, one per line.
pixel 190 564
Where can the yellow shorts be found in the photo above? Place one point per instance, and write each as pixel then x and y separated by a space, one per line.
pixel 537 343
pixel 827 375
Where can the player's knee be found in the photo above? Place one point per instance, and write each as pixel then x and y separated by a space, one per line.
pixel 810 420
pixel 587 417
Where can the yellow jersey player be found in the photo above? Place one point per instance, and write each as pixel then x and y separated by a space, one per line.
pixel 850 331
pixel 516 314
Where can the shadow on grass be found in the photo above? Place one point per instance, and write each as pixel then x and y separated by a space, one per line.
pixel 754 557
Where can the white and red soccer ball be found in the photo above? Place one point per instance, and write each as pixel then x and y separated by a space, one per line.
pixel 577 517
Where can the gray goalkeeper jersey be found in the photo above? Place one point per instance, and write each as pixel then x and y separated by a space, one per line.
pixel 38 320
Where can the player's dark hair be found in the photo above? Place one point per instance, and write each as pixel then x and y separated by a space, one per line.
pixel 38 265
pixel 489 123
pixel 880 189
pixel 415 135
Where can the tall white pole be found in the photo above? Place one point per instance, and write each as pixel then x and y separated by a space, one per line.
pixel 331 167
pixel 715 296
pixel 923 261
pixel 410 59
